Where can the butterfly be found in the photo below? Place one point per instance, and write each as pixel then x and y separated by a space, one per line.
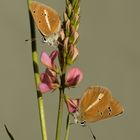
pixel 96 104
pixel 47 20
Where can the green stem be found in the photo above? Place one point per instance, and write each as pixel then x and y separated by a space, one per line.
pixel 60 113
pixel 67 128
pixel 37 77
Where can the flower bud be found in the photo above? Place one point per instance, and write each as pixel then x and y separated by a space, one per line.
pixel 72 104
pixel 72 55
pixel 73 77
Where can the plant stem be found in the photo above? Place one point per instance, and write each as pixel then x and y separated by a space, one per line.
pixel 61 101
pixel 37 77
pixel 67 128
pixel 60 113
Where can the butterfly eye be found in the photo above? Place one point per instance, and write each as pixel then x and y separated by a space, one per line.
pixel 83 123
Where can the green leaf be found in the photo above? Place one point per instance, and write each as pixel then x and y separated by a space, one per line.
pixel 8 132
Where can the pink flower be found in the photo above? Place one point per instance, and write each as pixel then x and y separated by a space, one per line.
pixel 49 81
pixel 73 77
pixel 47 60
pixel 72 104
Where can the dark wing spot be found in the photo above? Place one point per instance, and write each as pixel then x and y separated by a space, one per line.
pixel 109 108
pixel 48 16
pixel 43 14
pixel 34 11
pixel 39 21
pixel 101 113
pixel 109 113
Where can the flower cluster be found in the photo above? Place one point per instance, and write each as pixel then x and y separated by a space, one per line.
pixel 49 78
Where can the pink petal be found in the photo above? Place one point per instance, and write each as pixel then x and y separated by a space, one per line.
pixel 45 59
pixel 53 55
pixel 49 81
pixel 44 88
pixel 72 104
pixel 72 109
pixel 43 77
pixel 51 73
pixel 76 102
pixel 73 77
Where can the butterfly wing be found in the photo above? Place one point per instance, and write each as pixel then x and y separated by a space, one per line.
pixel 46 18
pixel 95 99
pixel 111 108
pixel 115 108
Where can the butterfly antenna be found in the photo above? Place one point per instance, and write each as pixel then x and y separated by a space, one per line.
pixel 94 137
pixel 31 40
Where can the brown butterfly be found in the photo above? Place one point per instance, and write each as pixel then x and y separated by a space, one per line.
pixel 96 104
pixel 47 21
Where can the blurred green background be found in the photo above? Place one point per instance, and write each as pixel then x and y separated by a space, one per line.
pixel 109 48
